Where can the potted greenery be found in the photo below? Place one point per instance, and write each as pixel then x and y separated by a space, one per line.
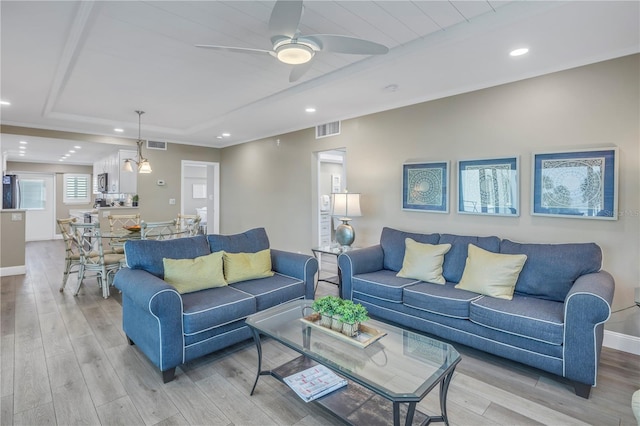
pixel 326 306
pixel 352 314
pixel 134 200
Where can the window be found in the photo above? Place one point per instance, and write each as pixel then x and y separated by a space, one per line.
pixel 32 194
pixel 77 188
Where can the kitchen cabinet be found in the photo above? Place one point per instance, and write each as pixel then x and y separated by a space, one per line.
pixel 120 182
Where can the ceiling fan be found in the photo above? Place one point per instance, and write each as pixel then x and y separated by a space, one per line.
pixel 290 47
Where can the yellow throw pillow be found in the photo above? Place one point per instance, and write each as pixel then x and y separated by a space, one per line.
pixel 189 275
pixel 247 266
pixel 491 274
pixel 423 261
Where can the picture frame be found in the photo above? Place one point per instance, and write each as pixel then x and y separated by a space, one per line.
pixel 425 187
pixel 199 190
pixel 489 186
pixel 581 184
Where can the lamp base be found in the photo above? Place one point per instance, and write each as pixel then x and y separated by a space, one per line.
pixel 345 234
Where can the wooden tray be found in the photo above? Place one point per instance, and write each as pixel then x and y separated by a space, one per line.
pixel 366 335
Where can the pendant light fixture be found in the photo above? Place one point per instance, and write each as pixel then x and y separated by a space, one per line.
pixel 141 162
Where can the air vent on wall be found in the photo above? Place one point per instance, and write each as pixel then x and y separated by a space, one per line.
pixel 328 129
pixel 156 145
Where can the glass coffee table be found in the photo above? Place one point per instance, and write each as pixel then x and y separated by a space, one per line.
pixel 386 378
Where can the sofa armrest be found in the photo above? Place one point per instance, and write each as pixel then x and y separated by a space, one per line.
pixel 152 316
pixel 301 266
pixel 586 308
pixel 369 259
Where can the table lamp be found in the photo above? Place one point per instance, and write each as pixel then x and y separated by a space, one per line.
pixel 345 205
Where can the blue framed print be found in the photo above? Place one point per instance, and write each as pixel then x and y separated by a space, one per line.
pixel 576 184
pixel 489 187
pixel 425 187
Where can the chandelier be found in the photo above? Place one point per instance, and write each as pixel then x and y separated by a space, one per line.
pixel 141 162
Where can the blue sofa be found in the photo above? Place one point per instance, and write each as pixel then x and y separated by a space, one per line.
pixel 554 322
pixel 172 328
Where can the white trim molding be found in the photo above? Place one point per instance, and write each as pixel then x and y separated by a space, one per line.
pixel 13 270
pixel 621 342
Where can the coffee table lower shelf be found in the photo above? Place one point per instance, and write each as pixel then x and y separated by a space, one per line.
pixel 354 404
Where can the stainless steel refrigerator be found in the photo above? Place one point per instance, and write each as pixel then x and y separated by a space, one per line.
pixel 10 192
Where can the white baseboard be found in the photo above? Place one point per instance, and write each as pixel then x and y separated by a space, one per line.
pixel 13 270
pixel 621 342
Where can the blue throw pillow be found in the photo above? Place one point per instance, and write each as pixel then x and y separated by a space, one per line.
pixel 148 254
pixel 455 260
pixel 551 269
pixel 393 245
pixel 251 241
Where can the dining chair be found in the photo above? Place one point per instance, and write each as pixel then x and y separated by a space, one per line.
pixel 72 253
pixel 88 240
pixel 116 223
pixel 160 230
pixel 189 223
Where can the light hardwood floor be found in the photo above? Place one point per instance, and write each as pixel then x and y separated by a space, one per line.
pixel 65 360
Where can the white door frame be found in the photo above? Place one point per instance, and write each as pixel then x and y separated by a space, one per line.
pixel 50 209
pixel 213 192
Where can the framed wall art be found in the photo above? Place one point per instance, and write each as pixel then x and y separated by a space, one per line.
pixel 576 184
pixel 489 186
pixel 425 187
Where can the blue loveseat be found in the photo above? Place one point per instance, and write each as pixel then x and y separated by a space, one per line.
pixel 171 328
pixel 554 321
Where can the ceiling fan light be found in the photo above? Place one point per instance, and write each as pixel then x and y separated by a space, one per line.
pixel 294 53
pixel 144 167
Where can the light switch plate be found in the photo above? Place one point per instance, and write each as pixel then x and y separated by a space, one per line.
pixel 172 201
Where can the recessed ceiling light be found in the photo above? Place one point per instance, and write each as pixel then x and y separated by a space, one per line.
pixel 77 147
pixel 5 103
pixel 310 109
pixel 62 159
pixel 218 137
pixel 226 135
pixel 21 154
pixel 23 142
pixel 118 130
pixel 71 151
pixel 519 52
pixel 22 147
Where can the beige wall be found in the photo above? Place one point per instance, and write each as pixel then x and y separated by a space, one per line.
pixel 271 185
pixel 12 254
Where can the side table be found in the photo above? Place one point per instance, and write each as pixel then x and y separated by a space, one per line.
pixel 333 251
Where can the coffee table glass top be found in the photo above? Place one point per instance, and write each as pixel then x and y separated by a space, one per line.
pixel 401 365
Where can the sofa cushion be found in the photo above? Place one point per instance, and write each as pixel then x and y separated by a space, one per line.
pixel 189 275
pixel 214 307
pixel 551 269
pixel 439 299
pixel 272 291
pixel 492 274
pixel 148 254
pixel 455 259
pixel 529 317
pixel 383 284
pixel 251 241
pixel 393 245
pixel 247 266
pixel 423 261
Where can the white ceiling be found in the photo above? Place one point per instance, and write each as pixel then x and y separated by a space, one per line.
pixel 86 66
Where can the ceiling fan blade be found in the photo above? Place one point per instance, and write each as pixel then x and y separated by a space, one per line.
pixel 346 44
pixel 285 17
pixel 236 49
pixel 300 70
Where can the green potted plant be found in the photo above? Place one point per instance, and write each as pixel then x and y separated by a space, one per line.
pixel 326 306
pixel 352 314
pixel 134 200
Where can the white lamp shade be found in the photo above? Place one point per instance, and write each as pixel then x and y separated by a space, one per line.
pixel 144 167
pixel 346 205
pixel 127 166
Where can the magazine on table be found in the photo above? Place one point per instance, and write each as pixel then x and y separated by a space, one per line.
pixel 314 382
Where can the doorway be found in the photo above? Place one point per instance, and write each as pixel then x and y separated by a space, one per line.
pixel 37 197
pixel 332 178
pixel 200 193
